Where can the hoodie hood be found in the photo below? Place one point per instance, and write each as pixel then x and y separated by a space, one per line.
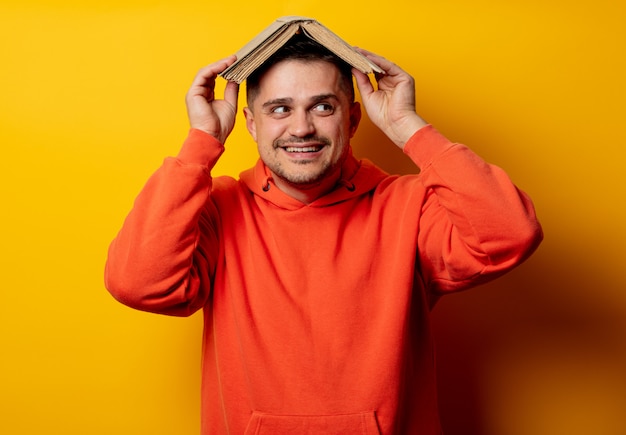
pixel 357 178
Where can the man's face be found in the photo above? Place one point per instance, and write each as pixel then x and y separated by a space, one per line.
pixel 302 120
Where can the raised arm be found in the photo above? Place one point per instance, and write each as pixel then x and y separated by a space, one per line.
pixel 475 223
pixel 154 263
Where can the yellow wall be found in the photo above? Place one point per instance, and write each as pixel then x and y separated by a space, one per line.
pixel 92 99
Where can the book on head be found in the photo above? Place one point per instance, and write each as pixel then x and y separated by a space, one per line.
pixel 258 50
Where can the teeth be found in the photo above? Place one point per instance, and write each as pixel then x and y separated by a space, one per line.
pixel 301 149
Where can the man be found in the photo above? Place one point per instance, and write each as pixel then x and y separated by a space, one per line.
pixel 316 272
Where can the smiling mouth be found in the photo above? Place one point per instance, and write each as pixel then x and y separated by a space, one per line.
pixel 307 149
pixel 299 145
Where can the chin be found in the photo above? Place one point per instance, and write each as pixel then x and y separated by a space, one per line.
pixel 303 181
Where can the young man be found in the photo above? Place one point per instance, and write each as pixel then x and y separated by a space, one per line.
pixel 316 272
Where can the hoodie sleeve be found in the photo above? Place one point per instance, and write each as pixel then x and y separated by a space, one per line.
pixel 475 223
pixel 153 264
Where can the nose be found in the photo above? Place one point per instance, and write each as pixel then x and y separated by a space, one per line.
pixel 301 124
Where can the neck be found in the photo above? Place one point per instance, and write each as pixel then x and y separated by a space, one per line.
pixel 307 193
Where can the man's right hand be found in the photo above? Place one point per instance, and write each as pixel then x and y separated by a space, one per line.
pixel 216 117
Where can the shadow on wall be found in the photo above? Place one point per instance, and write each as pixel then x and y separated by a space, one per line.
pixel 539 351
pixel 536 352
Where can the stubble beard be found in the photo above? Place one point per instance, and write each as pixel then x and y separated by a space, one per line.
pixel 302 178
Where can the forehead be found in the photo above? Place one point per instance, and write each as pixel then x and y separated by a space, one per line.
pixel 299 78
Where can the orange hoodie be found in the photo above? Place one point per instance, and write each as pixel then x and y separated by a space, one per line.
pixel 316 316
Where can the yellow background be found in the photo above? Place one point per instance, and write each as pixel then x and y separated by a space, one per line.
pixel 92 99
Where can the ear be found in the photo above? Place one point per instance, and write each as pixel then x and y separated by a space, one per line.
pixel 355 117
pixel 250 123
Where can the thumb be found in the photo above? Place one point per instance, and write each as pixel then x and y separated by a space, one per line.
pixel 363 83
pixel 231 94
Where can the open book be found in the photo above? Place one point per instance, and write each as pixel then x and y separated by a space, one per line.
pixel 266 43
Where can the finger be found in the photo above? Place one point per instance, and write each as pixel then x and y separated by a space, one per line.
pixel 386 65
pixel 208 73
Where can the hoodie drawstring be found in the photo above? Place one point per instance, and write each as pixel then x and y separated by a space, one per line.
pixel 347 184
pixel 266 186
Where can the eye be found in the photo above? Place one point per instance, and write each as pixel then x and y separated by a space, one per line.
pixel 323 108
pixel 280 109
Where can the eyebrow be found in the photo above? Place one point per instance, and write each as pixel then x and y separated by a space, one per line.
pixel 287 100
pixel 277 101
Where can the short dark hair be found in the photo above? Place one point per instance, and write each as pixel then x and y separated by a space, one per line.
pixel 300 47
